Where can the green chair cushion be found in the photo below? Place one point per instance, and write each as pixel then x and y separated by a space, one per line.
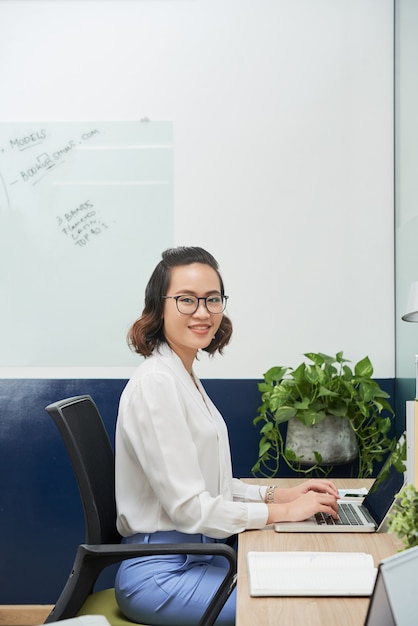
pixel 104 603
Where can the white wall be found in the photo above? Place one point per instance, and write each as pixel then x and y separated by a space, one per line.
pixel 283 140
pixel 406 181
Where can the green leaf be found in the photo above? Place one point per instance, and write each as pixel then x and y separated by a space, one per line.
pixel 274 374
pixel 318 456
pixel 257 419
pixel 313 374
pixel 340 359
pixel 338 410
pixel 303 404
pixel 310 417
pixel 323 391
pixel 264 387
pixel 314 357
pixel 298 374
pixel 268 427
pixel 319 358
pixel 284 414
pixel 291 455
pixel 264 447
pixel 364 368
pixel 347 373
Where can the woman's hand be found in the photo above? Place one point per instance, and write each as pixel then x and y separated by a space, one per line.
pixel 303 506
pixel 317 485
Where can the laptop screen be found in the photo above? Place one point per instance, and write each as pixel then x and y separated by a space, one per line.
pixel 379 501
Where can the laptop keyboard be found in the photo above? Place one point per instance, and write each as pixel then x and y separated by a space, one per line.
pixel 347 515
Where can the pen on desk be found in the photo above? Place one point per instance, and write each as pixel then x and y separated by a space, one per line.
pixel 353 495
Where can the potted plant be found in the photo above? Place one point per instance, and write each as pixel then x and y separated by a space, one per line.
pixel 403 518
pixel 324 390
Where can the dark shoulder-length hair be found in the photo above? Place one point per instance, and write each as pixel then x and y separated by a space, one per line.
pixel 147 333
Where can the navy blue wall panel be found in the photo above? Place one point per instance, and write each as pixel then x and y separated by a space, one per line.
pixel 41 519
pixel 41 516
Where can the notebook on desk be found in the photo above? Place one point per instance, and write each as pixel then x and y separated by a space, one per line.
pixel 366 517
pixel 310 573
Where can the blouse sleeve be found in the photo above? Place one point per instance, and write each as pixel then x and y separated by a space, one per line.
pixel 166 445
pixel 245 492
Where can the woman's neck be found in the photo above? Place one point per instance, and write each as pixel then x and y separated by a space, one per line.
pixel 187 357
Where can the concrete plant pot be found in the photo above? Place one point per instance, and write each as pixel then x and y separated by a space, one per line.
pixel 333 438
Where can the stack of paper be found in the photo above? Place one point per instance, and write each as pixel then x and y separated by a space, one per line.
pixel 310 573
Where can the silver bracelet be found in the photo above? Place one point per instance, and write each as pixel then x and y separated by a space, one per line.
pixel 269 495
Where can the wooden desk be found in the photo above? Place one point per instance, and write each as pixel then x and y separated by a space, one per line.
pixel 344 611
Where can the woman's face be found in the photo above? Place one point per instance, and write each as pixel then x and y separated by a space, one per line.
pixel 186 334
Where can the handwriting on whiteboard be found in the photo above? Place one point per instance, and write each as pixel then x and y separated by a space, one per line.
pixel 82 224
pixel 29 158
pixel 43 162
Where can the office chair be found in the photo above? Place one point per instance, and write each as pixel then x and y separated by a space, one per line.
pixel 91 454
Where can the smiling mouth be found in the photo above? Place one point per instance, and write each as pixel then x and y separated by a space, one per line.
pixel 200 329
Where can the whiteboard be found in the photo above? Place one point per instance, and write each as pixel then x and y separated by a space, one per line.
pixel 85 210
pixel 284 127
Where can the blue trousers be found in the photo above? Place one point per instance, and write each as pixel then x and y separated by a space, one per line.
pixel 172 590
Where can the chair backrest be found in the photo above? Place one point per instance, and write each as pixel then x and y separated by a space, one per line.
pixel 88 446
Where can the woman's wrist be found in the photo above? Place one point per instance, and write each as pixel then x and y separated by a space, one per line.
pixel 277 513
pixel 269 496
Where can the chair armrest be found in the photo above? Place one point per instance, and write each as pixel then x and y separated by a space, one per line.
pixel 91 559
pixel 117 552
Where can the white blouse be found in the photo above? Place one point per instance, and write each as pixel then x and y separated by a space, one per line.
pixel 173 461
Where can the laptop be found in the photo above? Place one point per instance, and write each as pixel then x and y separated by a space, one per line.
pixel 395 601
pixel 367 516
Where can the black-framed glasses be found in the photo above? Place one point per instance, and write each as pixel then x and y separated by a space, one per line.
pixel 188 304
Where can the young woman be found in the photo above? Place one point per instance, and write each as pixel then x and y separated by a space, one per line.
pixel 173 466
